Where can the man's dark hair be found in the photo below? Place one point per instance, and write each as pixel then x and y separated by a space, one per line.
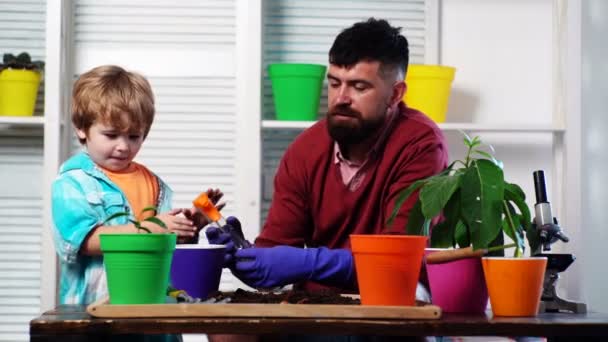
pixel 371 40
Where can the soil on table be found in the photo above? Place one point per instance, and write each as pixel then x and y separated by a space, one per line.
pixel 291 297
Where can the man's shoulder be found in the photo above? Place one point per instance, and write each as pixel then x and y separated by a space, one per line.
pixel 419 124
pixel 314 139
pixel 413 129
pixel 413 136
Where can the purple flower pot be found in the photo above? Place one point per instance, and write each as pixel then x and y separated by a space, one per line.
pixel 197 268
pixel 458 286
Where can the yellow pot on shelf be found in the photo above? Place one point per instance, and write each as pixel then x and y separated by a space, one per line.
pixel 18 92
pixel 428 89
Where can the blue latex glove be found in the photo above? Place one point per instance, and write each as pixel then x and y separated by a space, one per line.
pixel 222 237
pixel 282 265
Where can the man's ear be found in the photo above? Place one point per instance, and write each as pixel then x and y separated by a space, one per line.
pixel 399 89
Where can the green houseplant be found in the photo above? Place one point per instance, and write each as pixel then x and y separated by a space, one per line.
pixel 476 202
pixel 475 205
pixel 137 264
pixel 19 82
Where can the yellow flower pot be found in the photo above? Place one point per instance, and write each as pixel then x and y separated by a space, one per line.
pixel 428 89
pixel 18 92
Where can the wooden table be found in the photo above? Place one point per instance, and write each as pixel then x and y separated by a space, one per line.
pixel 73 322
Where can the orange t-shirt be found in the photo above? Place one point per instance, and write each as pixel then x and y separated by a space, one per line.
pixel 139 185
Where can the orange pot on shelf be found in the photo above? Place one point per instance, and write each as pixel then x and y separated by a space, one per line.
pixel 388 267
pixel 515 285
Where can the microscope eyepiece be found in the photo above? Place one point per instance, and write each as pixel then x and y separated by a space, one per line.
pixel 540 187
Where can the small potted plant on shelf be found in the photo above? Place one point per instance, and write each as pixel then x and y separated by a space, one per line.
pixel 137 264
pixel 19 82
pixel 476 206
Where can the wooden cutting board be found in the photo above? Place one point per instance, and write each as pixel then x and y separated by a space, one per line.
pixel 103 309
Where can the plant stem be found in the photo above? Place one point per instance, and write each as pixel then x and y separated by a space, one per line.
pixel 497 248
pixel 461 162
pixel 518 251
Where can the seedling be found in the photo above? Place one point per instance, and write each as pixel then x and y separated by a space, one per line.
pixel 21 61
pixel 137 223
pixel 477 204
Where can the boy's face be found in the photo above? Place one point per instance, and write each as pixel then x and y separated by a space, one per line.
pixel 110 148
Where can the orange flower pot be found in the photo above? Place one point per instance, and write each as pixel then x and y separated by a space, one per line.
pixel 515 285
pixel 388 267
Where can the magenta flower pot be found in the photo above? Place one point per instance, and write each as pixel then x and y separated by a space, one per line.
pixel 458 286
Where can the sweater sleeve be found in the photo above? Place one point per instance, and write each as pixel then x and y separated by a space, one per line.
pixel 427 157
pixel 288 221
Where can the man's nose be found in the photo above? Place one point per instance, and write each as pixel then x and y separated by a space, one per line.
pixel 343 96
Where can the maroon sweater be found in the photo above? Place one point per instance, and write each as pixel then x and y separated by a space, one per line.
pixel 311 205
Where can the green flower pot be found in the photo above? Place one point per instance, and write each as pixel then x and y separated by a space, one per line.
pixel 137 266
pixel 296 90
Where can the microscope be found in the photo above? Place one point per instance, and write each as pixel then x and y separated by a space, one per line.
pixel 549 232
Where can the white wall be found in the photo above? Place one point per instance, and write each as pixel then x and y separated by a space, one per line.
pixel 594 161
pixel 503 54
pixel 502 51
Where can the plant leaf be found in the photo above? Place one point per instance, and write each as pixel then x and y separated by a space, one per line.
pixel 513 193
pixel 437 192
pixel 449 168
pixel 467 139
pixel 462 235
pixel 518 238
pixel 144 228
pixel 402 197
pixel 157 221
pixel 476 141
pixel 498 241
pixel 482 194
pixel 451 214
pixel 426 228
pixel 484 154
pixel 533 238
pixel 442 235
pixel 24 58
pixel 415 220
pixel 115 215
pixel 151 208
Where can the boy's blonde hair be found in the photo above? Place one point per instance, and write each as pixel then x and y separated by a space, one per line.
pixel 112 96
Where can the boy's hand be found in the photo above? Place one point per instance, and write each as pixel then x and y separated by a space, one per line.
pixel 199 220
pixel 182 226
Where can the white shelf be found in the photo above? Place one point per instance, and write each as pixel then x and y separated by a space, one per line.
pixel 451 126
pixel 502 128
pixel 22 120
pixel 286 124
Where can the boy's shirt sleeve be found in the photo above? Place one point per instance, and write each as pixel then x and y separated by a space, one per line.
pixel 73 216
pixel 165 198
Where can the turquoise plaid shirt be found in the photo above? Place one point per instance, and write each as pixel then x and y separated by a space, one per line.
pixel 83 197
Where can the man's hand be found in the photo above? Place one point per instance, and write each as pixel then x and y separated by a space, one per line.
pixel 222 237
pixel 282 265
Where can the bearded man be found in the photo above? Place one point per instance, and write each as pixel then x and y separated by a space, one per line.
pixel 342 175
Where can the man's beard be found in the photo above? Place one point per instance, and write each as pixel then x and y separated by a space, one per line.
pixel 354 131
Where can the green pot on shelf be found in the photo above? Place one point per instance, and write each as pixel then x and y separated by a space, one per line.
pixel 296 90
